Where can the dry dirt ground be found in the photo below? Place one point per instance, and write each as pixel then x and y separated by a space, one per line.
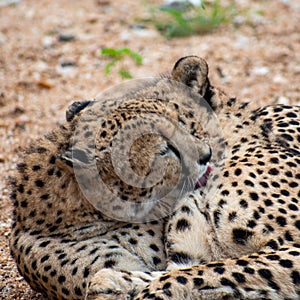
pixel 256 58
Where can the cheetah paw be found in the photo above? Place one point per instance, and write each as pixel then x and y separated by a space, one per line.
pixel 114 285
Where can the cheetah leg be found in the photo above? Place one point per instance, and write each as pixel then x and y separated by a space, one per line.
pixel 118 285
pixel 186 245
pixel 265 275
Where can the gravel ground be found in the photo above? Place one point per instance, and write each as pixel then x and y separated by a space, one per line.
pixel 50 56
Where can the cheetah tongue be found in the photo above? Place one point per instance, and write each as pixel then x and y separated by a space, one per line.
pixel 202 181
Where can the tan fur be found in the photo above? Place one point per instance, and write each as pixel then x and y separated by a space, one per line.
pixel 59 239
pixel 237 238
pixel 246 231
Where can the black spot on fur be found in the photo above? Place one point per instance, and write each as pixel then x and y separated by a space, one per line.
pixel 281 221
pixel 39 183
pixel 295 275
pixel 239 277
pixel 181 280
pixel 182 225
pixel 180 258
pixel 286 263
pixel 61 279
pixel 198 281
pixel 227 282
pixel 109 263
pixel 156 260
pixel 265 273
pixel 272 244
pixel 240 236
pixel 219 270
pixel 86 272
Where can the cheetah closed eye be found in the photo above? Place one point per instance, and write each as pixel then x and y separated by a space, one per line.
pixel 237 238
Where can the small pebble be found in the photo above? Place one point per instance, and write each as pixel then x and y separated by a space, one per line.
pixel 47 41
pixel 279 79
pixel 64 37
pixel 125 36
pixel 241 41
pixel 184 2
pixel 66 68
pixel 138 26
pixel 141 30
pixel 260 70
pixel 177 5
pixel 3 39
pixel 65 64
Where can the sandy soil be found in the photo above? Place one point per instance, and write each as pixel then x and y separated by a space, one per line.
pixel 257 57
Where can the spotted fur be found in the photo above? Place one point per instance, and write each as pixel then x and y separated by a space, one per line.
pixel 237 240
pixel 59 240
pixel 242 241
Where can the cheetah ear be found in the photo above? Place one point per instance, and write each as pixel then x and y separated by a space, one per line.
pixel 75 108
pixel 193 72
pixel 75 158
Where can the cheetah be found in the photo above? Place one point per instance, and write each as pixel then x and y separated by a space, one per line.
pixel 61 239
pixel 237 237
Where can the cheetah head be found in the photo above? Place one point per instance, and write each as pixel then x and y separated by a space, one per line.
pixel 139 150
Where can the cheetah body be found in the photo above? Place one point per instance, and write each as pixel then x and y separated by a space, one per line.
pixel 59 239
pixel 235 238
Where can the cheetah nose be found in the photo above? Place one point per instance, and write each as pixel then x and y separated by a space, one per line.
pixel 205 158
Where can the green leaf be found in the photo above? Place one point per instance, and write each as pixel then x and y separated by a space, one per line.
pixel 117 56
pixel 124 73
pixel 108 67
pixel 137 58
pixel 109 52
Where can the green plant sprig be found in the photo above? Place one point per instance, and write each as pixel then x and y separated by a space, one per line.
pixel 117 56
pixel 189 20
